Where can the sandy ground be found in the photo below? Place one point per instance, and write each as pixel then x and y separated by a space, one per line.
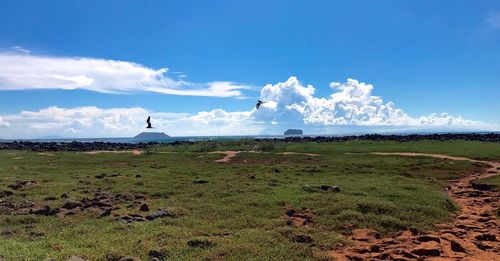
pixel 232 153
pixel 135 152
pixel 229 154
pixel 473 235
pixel 46 154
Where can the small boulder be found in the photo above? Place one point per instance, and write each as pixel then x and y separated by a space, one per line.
pixel 44 211
pixel 160 213
pixel 304 239
pixel 486 237
pixel 144 207
pixel 129 258
pixel 75 258
pixel 365 234
pixel 482 186
pixel 430 248
pixel 22 184
pixel 5 193
pixel 71 204
pixel 106 212
pixel 157 254
pixel 200 243
pixel 330 188
pixel 427 238
pixel 100 176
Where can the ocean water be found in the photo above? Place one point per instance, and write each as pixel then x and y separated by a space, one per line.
pixel 165 140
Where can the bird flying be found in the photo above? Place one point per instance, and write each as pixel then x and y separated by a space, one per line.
pixel 259 102
pixel 148 121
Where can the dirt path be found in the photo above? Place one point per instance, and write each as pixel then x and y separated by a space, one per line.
pixel 473 235
pixel 135 152
pixel 232 153
pixel 229 154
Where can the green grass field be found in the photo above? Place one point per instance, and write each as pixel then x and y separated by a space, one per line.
pixel 239 213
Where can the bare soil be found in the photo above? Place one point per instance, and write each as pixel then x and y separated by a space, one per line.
pixel 473 235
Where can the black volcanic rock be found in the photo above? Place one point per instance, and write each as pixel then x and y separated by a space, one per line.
pixel 72 146
pixel 93 146
pixel 151 135
pixel 293 132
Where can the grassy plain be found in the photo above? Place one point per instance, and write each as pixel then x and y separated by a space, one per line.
pixel 238 210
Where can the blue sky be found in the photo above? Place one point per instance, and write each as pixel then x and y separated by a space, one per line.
pixel 424 56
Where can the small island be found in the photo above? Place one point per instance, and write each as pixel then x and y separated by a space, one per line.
pixel 293 132
pixel 151 136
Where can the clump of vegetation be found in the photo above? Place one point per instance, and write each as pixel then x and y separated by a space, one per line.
pixel 205 146
pixel 267 147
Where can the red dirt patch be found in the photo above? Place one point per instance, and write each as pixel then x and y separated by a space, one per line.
pixel 473 235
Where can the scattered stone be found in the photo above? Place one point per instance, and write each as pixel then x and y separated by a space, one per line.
pixel 160 213
pixel 139 196
pixel 65 212
pixel 200 243
pixel 457 247
pixel 75 258
pixel 430 248
pixel 159 255
pixel 484 245
pixel 199 182
pixel 327 188
pixel 355 257
pixel 44 211
pixel 138 176
pixel 330 188
pixel 365 234
pixel 427 238
pixel 144 207
pixel 64 195
pixel 129 258
pixel 132 218
pixel 374 248
pixel 304 239
pixel 105 213
pixel 71 204
pixel 5 193
pixel 23 184
pixel 50 198
pixel 100 176
pixel 482 186
pixel 486 237
pixel 299 218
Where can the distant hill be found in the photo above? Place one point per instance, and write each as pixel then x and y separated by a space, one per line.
pixel 151 136
pixel 50 137
pixel 293 132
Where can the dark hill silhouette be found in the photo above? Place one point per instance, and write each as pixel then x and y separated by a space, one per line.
pixel 293 132
pixel 151 135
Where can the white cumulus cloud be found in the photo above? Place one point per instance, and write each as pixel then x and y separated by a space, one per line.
pixel 23 71
pixel 92 121
pixel 351 107
pixel 351 103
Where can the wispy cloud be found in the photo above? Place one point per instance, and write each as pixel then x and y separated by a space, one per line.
pixel 20 49
pixel 290 104
pixel 21 70
pixel 494 19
